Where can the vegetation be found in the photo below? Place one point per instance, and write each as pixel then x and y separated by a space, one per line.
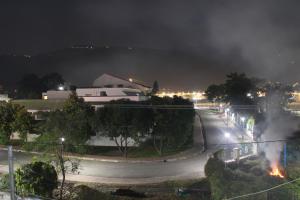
pixel 36 178
pixel 4 182
pixel 73 122
pixel 169 128
pixel 155 88
pixel 238 89
pixel 233 91
pixel 14 118
pixel 246 177
pixel 31 86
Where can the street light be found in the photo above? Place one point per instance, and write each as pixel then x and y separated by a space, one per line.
pixel 243 119
pixel 227 135
pixel 131 80
pixel 61 88
pixel 62 139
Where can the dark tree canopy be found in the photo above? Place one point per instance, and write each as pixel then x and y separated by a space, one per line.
pixel 235 90
pixel 51 81
pixel 31 86
pixel 155 88
pixel 36 178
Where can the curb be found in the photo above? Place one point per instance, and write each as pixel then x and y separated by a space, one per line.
pixel 166 159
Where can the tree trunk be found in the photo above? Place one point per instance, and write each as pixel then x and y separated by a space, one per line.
pixel 126 143
pixel 161 143
pixel 155 145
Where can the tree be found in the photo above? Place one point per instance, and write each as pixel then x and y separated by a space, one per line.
pixel 215 172
pixel 51 81
pixel 36 178
pixel 6 120
pixel 73 122
pixel 238 89
pixel 117 122
pixel 215 93
pixel 30 87
pixel 237 86
pixel 173 123
pixel 23 122
pixel 155 88
pixel 277 96
pixel 14 118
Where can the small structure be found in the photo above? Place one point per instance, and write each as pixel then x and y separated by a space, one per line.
pixel 111 81
pixel 4 97
pixel 56 94
pixel 109 94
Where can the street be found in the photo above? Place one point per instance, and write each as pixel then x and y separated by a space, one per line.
pixel 148 172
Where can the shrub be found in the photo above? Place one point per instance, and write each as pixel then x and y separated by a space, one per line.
pixel 36 178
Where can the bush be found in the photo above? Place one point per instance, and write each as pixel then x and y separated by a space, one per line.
pixel 36 178
pixel 4 182
pixel 213 165
pixel 84 192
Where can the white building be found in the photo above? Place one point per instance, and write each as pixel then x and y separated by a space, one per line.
pixel 105 88
pixel 110 81
pixel 109 94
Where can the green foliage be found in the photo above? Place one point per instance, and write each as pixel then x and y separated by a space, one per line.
pixel 14 117
pixel 4 182
pixel 213 165
pixel 172 128
pixel 36 178
pixel 84 192
pixel 119 121
pixel 73 122
pixel 247 177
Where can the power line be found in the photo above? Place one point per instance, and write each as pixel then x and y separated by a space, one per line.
pixel 263 191
pixel 213 144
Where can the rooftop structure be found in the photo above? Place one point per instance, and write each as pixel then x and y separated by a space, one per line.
pixel 111 81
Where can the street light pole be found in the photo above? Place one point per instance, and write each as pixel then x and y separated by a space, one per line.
pixel 11 173
pixel 227 136
pixel 62 166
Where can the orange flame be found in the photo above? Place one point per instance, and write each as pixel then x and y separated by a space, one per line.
pixel 276 172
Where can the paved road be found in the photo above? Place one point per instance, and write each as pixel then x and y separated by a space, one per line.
pixel 135 173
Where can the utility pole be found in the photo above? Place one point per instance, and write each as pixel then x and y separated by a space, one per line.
pixel 11 173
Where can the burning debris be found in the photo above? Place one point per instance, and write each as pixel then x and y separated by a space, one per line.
pixel 276 172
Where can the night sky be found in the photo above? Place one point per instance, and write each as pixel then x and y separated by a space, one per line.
pixel 182 44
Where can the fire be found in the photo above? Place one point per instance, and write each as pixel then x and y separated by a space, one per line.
pixel 276 172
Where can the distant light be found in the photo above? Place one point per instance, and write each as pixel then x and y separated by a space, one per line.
pixel 227 135
pixel 61 88
pixel 243 119
pixel 62 139
pixel 249 94
pixel 131 80
pixel 227 109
